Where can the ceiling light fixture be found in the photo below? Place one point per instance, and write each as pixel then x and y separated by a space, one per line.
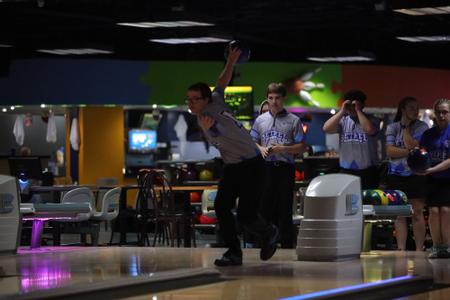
pixel 168 24
pixel 431 38
pixel 75 51
pixel 194 40
pixel 422 11
pixel 340 58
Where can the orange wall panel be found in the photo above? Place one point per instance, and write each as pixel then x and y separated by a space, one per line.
pixel 102 143
pixel 385 86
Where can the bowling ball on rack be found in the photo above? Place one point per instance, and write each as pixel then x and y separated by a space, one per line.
pixel 394 197
pixel 245 54
pixel 384 198
pixel 195 197
pixel 190 174
pixel 207 220
pixel 206 175
pixel 371 197
pixel 403 199
pixel 418 160
pixel 365 196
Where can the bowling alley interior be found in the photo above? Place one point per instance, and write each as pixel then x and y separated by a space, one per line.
pixel 109 179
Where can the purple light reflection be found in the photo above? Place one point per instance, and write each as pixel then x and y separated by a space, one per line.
pixel 25 218
pixel 42 273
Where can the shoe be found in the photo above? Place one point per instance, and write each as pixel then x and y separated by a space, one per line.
pixel 434 252
pixel 443 251
pixel 228 259
pixel 269 244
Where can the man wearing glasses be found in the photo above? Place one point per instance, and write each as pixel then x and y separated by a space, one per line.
pixel 243 174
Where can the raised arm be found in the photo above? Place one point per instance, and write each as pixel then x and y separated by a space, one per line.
pixel 332 124
pixel 366 125
pixel 225 77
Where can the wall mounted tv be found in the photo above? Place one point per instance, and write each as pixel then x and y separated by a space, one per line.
pixel 142 141
pixel 240 100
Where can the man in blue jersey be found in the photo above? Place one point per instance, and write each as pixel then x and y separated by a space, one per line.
pixel 243 173
pixel 357 141
pixel 279 135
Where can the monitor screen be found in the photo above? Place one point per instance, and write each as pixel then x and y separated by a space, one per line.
pixel 142 140
pixel 25 167
pixel 240 100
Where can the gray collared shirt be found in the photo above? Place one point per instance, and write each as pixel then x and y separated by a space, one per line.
pixel 283 129
pixel 228 135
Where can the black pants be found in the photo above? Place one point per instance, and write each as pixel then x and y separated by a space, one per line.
pixel 244 180
pixel 277 200
pixel 369 177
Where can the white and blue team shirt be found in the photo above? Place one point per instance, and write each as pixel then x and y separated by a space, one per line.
pixel 283 129
pixel 357 150
pixel 228 135
pixel 394 137
pixel 437 143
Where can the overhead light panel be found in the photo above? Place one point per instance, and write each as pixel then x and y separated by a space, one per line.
pixel 5 46
pixel 421 39
pixel 165 24
pixel 423 11
pixel 194 40
pixel 340 58
pixel 75 51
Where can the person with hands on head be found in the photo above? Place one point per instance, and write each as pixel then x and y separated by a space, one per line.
pixel 279 136
pixel 436 141
pixel 358 150
pixel 401 137
pixel 243 173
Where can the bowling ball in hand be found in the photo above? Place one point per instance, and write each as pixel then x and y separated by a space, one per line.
pixel 245 54
pixel 419 160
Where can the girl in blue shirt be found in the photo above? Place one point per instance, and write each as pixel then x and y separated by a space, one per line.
pixel 436 141
pixel 402 136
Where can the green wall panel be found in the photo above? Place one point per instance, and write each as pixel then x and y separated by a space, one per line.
pixel 168 81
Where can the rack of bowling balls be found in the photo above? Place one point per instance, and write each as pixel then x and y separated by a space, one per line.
pixel 180 172
pixel 384 197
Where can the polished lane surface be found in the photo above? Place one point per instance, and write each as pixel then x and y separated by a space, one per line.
pixel 282 276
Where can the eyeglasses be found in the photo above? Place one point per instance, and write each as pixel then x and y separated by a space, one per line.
pixel 441 112
pixel 194 99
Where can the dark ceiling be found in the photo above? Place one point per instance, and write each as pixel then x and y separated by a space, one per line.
pixel 276 30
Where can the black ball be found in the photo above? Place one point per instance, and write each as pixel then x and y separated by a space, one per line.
pixel 245 55
pixel 419 160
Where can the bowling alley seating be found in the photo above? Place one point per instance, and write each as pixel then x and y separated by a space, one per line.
pixel 76 206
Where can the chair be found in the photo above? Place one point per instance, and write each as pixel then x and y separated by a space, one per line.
pixel 104 182
pixel 109 206
pixel 155 187
pixel 81 223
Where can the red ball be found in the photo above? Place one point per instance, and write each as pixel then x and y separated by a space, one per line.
pixel 195 197
pixel 207 220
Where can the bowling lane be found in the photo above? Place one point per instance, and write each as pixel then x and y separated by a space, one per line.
pixel 282 276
